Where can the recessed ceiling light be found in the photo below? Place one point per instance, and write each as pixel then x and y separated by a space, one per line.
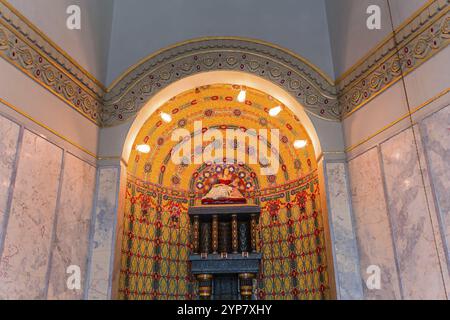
pixel 143 148
pixel 299 144
pixel 241 96
pixel 275 111
pixel 166 117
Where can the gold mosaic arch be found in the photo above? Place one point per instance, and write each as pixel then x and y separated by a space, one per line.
pixel 306 83
pixel 216 107
pixel 156 242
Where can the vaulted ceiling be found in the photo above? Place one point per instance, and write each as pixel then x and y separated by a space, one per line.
pixel 216 107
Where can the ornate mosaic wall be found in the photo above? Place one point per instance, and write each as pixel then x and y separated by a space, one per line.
pixel 156 243
pixel 156 232
pixel 292 242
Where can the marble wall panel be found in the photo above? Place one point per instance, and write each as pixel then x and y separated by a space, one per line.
pixel 104 234
pixel 372 225
pixel 24 262
pixel 9 133
pixel 72 227
pixel 435 132
pixel 434 215
pixel 415 244
pixel 348 278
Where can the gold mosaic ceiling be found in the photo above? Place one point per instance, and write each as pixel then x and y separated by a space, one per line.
pixel 217 107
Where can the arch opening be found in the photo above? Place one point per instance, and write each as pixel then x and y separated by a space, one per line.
pixel 156 244
pixel 213 77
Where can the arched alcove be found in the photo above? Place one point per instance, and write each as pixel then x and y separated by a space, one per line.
pixel 142 92
pixel 155 245
pixel 213 77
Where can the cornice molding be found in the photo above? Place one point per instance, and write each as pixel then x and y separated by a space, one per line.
pixel 414 42
pixel 25 47
pixel 425 34
pixel 26 27
pixel 372 52
pixel 398 120
pixel 45 127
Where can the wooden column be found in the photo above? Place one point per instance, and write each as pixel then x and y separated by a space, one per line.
pixel 234 234
pixel 196 235
pixel 205 238
pixel 246 285
pixel 204 286
pixel 253 224
pixel 244 237
pixel 224 237
pixel 215 234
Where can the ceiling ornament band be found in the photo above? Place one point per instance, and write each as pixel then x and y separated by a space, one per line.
pixel 314 91
pixel 425 35
pixel 24 46
pixel 418 39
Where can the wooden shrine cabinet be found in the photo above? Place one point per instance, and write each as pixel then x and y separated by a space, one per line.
pixel 224 255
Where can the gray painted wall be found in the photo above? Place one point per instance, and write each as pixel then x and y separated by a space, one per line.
pixel 350 38
pixel 116 34
pixel 88 46
pixel 141 27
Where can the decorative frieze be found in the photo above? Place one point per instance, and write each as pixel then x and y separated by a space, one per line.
pixel 406 49
pixel 300 79
pixel 27 48
pixel 24 46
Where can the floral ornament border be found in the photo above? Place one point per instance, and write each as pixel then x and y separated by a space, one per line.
pixel 311 89
pixel 424 36
pixel 29 50
pixel 420 38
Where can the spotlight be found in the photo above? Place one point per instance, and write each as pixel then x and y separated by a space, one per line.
pixel 166 117
pixel 275 111
pixel 143 148
pixel 299 144
pixel 241 96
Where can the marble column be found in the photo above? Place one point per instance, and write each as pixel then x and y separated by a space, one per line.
pixel 343 240
pixel 411 219
pixel 103 234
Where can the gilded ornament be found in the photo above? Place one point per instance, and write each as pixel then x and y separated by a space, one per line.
pixel 26 57
pixel 253 65
pixel 3 38
pixel 231 61
pixel 208 61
